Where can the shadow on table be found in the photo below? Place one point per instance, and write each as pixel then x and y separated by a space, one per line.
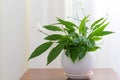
pixel 79 79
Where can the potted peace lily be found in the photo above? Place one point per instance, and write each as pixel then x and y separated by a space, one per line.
pixel 76 43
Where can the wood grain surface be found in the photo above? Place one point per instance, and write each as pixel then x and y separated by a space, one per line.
pixel 58 74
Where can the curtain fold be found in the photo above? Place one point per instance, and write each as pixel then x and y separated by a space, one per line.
pixel 13 50
pixel 45 11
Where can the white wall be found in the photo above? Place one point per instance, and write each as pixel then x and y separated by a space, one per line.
pixel 108 56
pixel 0 43
pixel 83 8
pixel 13 49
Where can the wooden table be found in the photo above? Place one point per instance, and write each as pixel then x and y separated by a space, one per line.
pixel 58 74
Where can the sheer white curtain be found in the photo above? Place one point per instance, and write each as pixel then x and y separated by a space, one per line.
pixel 13 50
pixel 45 11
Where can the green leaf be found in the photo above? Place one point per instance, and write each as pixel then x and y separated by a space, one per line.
pixel 67 53
pixel 103 33
pixel 93 48
pixel 99 25
pixel 82 53
pixel 98 30
pixel 90 43
pixel 52 28
pixel 67 24
pixel 96 22
pixel 54 37
pixel 55 52
pixel 73 34
pixel 68 30
pixel 40 49
pixel 96 38
pixel 82 27
pixel 74 53
pixel 65 39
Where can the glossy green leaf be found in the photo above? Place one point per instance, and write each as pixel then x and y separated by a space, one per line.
pixel 65 39
pixel 73 34
pixel 68 31
pixel 93 48
pixel 99 25
pixel 67 53
pixel 54 37
pixel 40 49
pixel 67 24
pixel 55 52
pixel 96 22
pixel 74 52
pixel 90 43
pixel 96 38
pixel 82 27
pixel 52 28
pixel 82 53
pixel 98 31
pixel 103 33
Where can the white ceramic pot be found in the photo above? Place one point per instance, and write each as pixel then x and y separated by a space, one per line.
pixel 79 69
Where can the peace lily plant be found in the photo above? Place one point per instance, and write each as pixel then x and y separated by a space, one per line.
pixel 75 40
